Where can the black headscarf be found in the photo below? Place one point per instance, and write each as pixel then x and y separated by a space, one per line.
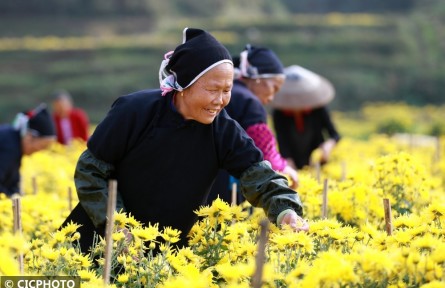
pixel 259 62
pixel 198 53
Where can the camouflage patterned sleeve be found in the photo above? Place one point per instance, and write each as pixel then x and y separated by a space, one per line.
pixel 263 187
pixel 91 179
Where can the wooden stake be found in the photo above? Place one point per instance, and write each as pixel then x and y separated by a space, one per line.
pixel 234 194
pixel 324 209
pixel 70 198
pixel 17 218
pixel 388 221
pixel 17 214
pixel 257 277
pixel 111 206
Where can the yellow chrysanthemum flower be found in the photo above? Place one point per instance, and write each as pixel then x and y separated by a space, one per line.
pixel 146 233
pixel 123 278
pixel 8 264
pixel 401 237
pixel 434 284
pixel 220 210
pixel 132 222
pixel 436 210
pixel 87 275
pixel 406 221
pixel 426 243
pixel 171 235
pixel 230 271
pixel 331 269
pixel 70 229
pixel 290 239
pixel 120 219
pixel 375 263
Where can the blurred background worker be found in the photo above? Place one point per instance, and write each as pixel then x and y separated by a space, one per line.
pixel 301 118
pixel 31 131
pixel 71 122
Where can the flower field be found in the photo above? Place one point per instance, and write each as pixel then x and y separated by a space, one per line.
pixel 348 248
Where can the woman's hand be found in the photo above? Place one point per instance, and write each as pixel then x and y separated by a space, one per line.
pixel 293 174
pixel 326 149
pixel 295 222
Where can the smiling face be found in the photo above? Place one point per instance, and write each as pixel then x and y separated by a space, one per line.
pixel 265 88
pixel 203 100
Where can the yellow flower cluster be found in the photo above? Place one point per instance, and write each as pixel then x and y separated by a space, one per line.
pixel 349 248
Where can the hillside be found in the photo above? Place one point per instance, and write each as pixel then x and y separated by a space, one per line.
pixel 368 57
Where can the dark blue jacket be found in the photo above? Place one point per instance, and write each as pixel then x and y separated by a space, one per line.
pixel 247 110
pixel 245 107
pixel 10 159
pixel 165 166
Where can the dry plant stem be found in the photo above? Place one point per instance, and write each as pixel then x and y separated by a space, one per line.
pixel 17 218
pixel 260 257
pixel 388 221
pixel 112 191
pixel 233 194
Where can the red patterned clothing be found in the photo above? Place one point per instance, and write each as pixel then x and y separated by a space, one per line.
pixel 72 127
pixel 265 140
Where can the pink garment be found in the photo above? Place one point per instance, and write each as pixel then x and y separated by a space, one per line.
pixel 265 141
pixel 65 125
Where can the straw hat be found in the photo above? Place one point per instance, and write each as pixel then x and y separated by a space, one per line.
pixel 303 89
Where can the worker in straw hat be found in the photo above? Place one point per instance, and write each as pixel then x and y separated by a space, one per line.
pixel 301 118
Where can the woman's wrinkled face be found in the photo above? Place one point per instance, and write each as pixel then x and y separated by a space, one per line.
pixel 265 88
pixel 205 98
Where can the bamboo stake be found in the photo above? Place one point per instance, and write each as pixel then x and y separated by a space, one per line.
pixel 325 200
pixel 388 221
pixel 111 206
pixel 70 198
pixel 234 194
pixel 261 255
pixel 17 218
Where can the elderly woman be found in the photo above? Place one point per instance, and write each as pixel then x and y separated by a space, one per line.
pixel 259 75
pixel 32 131
pixel 165 147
